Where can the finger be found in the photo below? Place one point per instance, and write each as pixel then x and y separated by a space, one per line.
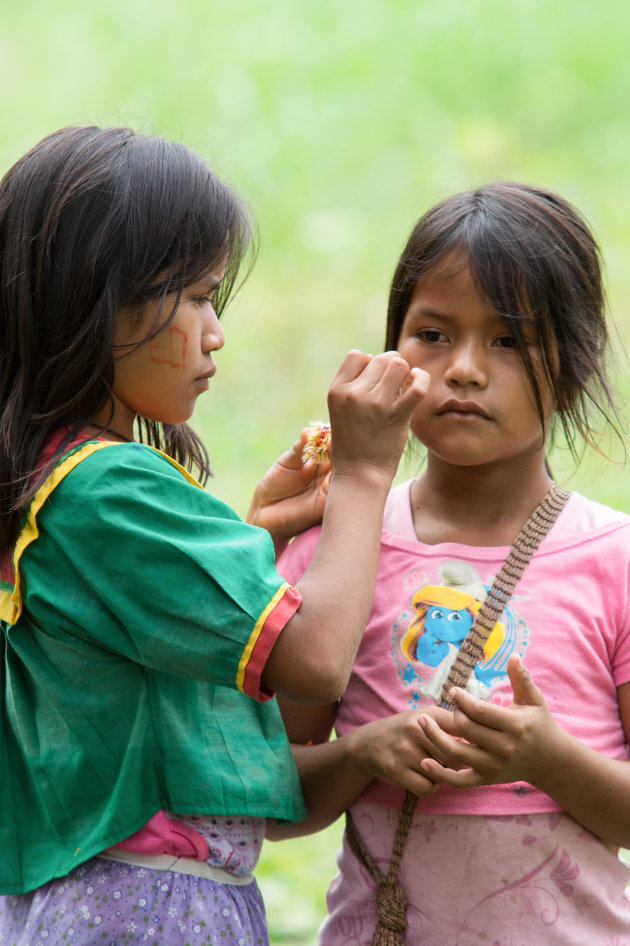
pixel 448 750
pixel 352 366
pixel 294 455
pixel 480 724
pixel 388 371
pixel 443 718
pixel 458 753
pixel 525 691
pixel 421 784
pixel 412 779
pixel 442 775
pixel 469 708
pixel 292 458
pixel 414 388
pixel 495 734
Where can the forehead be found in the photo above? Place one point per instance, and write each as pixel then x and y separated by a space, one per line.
pixel 448 289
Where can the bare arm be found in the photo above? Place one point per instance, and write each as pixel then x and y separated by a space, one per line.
pixel 370 405
pixel 333 774
pixel 522 742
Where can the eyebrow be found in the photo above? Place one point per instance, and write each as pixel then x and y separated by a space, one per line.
pixel 207 283
pixel 428 312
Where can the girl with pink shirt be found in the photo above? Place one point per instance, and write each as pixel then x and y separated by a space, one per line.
pixel 514 784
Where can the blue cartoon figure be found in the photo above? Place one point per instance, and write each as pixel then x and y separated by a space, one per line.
pixel 442 625
pixel 445 614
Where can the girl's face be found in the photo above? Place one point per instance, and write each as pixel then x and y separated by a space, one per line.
pixel 163 379
pixel 480 407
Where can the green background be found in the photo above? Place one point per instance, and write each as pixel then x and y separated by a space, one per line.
pixel 339 124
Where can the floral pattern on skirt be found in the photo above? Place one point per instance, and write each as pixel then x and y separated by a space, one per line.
pixel 106 903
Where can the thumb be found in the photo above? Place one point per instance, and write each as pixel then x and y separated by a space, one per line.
pixel 524 689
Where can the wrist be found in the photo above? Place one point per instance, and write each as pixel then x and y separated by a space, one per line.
pixel 365 477
pixel 555 763
pixel 355 745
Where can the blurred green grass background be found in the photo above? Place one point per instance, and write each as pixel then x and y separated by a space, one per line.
pixel 339 124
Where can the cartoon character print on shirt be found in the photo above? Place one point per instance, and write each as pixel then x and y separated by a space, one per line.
pixel 426 637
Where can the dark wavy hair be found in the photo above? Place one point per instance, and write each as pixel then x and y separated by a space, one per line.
pixel 94 220
pixel 532 257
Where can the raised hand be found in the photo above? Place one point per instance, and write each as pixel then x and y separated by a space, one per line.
pixel 493 744
pixel 371 400
pixel 370 404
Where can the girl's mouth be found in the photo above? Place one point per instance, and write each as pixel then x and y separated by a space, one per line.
pixel 463 409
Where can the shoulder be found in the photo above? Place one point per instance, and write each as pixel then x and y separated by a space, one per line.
pixel 124 498
pixel 133 474
pixel 105 458
pixel 583 517
pixel 398 517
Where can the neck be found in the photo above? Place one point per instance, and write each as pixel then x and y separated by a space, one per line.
pixel 109 432
pixel 115 420
pixel 482 506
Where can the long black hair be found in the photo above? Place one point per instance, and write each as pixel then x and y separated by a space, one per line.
pixel 534 260
pixel 93 221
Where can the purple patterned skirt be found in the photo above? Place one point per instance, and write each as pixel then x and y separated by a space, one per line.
pixel 106 903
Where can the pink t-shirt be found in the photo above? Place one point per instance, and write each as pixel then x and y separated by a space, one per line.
pixel 568 618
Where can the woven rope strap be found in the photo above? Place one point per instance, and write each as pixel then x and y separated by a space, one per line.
pixel 391 901
pixel 524 547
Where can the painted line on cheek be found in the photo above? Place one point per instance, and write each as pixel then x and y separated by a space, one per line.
pixel 169 348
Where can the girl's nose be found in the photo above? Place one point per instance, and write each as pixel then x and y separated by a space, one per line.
pixel 467 366
pixel 212 334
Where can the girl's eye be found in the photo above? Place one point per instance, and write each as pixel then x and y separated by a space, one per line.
pixel 506 342
pixel 431 336
pixel 203 300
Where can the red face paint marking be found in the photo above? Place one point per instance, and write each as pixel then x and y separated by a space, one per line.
pixel 169 348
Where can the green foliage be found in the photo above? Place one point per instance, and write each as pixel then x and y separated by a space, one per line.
pixel 293 876
pixel 340 124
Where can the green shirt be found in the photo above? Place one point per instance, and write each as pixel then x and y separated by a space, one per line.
pixel 140 619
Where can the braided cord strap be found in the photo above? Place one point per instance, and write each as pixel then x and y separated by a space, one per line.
pixel 391 901
pixel 521 553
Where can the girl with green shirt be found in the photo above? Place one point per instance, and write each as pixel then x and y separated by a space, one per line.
pixel 145 629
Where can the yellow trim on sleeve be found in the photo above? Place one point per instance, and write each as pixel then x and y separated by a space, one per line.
pixel 11 600
pixel 255 634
